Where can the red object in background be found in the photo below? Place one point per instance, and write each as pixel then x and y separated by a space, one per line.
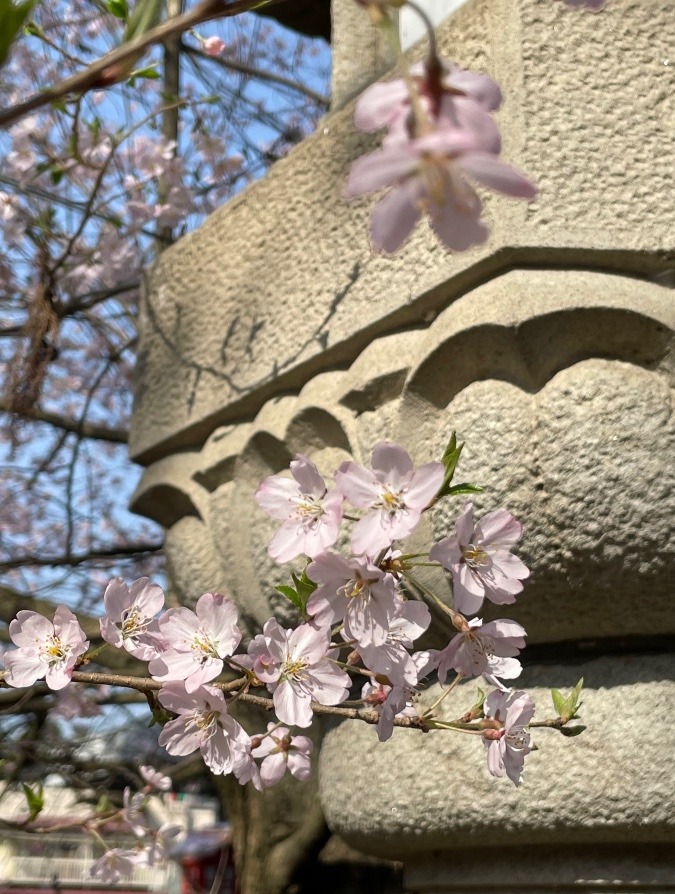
pixel 207 861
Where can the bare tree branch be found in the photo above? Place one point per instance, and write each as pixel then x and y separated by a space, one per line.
pixel 112 554
pixel 273 77
pixel 82 429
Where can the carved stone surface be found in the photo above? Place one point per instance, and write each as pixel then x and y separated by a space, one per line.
pixel 280 284
pixel 561 385
pixel 417 794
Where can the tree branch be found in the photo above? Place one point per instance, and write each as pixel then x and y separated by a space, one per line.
pixel 96 555
pixel 82 429
pixel 111 68
pixel 243 68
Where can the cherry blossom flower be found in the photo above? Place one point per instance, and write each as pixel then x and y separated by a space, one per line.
pixel 302 672
pixel 483 649
pixel 132 812
pixel 79 701
pixel 157 851
pixel 431 173
pixel 479 559
pixel 388 104
pixel 114 865
pixel 394 493
pixel 202 723
pixel 213 46
pixel 46 649
pixel 509 742
pixel 245 768
pixel 390 702
pixel 356 591
pixel 129 620
pixel 392 659
pixel 280 752
pixel 310 513
pixel 197 641
pixel 155 779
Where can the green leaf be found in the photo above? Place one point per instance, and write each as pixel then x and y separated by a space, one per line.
pixel 150 73
pixel 118 8
pixel 104 804
pixel 567 707
pixel 571 731
pixel 292 596
pixel 558 701
pixel 35 800
pixel 56 175
pixel 12 17
pixel 304 587
pixel 146 15
pixel 464 488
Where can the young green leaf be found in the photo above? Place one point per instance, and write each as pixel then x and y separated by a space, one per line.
pixel 118 8
pixel 12 17
pixel 34 799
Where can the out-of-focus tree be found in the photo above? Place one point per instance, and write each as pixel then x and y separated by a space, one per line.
pixel 93 185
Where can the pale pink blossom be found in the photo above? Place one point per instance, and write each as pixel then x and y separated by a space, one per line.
pixel 310 514
pixel 354 591
pixel 281 752
pixel 388 104
pixel 133 812
pixel 197 641
pixel 302 673
pixel 389 702
pixel 202 723
pixel 46 649
pixel 129 620
pixel 509 742
pixel 213 46
pixel 393 659
pixel 483 649
pixel 155 779
pixel 79 701
pixel 393 494
pixel 158 849
pixel 480 560
pixel 432 174
pixel 114 865
pixel 245 767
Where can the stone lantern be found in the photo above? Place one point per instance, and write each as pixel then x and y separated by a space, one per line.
pixel 273 329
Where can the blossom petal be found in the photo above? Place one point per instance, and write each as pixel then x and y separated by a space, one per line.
pixel 378 104
pixel 379 169
pixel 496 174
pixel 394 217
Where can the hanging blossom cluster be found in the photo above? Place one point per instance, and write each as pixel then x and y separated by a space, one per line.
pixel 361 614
pixel 441 141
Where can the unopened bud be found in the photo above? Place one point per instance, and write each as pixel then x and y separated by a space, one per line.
pixel 256 742
pixel 353 657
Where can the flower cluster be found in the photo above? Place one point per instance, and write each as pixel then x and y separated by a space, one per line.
pixel 441 139
pixel 362 614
